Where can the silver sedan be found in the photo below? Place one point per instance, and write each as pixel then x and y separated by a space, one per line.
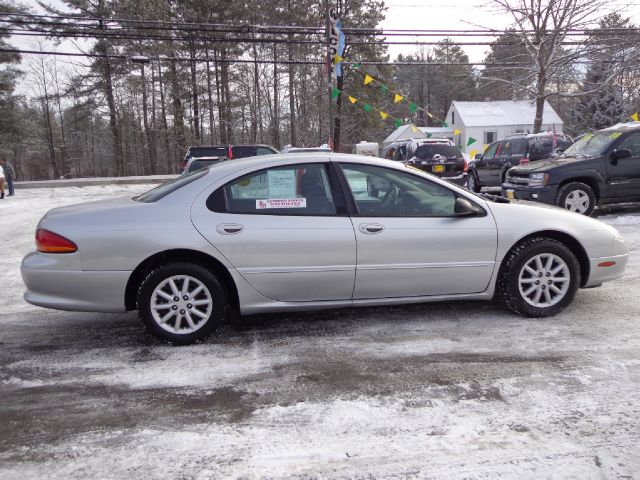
pixel 305 232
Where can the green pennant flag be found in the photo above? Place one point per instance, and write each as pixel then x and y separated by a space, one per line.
pixel 384 88
pixel 445 124
pixel 355 65
pixel 471 141
pixel 398 122
pixel 413 107
pixel 334 93
pixel 367 107
pixel 429 135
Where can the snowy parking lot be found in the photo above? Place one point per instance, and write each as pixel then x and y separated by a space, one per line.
pixel 445 390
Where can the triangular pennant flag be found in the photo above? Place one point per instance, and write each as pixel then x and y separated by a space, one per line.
pixel 398 122
pixel 335 93
pixel 429 135
pixel 413 107
pixel 355 65
pixel 352 99
pixel 367 79
pixel 384 88
pixel 457 132
pixel 384 115
pixel 471 141
pixel 367 107
pixel 337 59
pixel 397 98
pixel 472 154
pixel 445 124
pixel 634 117
pixel 414 129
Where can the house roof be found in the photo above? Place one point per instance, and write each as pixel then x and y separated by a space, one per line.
pixel 489 114
pixel 405 132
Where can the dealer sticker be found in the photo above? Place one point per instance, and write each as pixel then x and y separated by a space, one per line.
pixel 281 203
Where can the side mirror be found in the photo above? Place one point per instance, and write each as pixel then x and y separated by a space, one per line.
pixel 622 153
pixel 465 208
pixel 478 156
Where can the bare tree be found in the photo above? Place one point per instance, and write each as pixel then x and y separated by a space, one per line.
pixel 544 26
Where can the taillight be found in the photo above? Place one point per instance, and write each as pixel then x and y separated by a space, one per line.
pixel 524 161
pixel 466 167
pixel 49 242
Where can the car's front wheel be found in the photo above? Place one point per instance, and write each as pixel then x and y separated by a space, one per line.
pixel 577 197
pixel 538 278
pixel 181 303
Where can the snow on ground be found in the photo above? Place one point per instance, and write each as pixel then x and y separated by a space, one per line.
pixel 450 390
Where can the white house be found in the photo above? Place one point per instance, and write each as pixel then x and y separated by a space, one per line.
pixel 487 122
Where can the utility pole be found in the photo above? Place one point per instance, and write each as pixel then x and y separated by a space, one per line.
pixel 330 47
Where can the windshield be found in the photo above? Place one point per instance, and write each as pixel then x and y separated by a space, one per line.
pixel 166 188
pixel 208 151
pixel 426 152
pixel 592 144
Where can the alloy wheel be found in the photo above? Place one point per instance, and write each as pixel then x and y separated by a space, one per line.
pixel 181 304
pixel 544 280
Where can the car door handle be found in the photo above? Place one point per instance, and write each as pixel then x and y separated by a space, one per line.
pixel 371 228
pixel 229 228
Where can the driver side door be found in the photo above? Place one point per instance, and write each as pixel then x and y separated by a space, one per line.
pixel 409 241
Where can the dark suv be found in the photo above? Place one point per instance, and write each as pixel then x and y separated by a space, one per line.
pixel 229 151
pixel 438 156
pixel 600 168
pixel 489 169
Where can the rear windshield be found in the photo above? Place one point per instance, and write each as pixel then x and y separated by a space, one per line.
pixel 426 152
pixel 198 164
pixel 166 188
pixel 208 151
pixel 243 151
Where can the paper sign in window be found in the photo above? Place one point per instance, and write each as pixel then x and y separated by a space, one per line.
pixel 282 184
pixel 281 203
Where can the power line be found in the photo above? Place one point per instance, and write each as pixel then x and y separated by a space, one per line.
pixel 163 58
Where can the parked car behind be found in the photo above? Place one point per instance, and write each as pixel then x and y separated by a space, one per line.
pixel 312 231
pixel 489 169
pixel 229 151
pixel 600 168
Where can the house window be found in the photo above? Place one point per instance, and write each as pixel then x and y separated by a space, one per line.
pixel 490 137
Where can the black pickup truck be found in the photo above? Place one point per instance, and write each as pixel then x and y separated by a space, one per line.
pixel 600 168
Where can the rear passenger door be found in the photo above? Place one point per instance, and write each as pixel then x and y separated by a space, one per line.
pixel 286 231
pixel 486 166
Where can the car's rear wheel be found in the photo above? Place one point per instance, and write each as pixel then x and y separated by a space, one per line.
pixel 181 303
pixel 577 197
pixel 538 278
pixel 472 182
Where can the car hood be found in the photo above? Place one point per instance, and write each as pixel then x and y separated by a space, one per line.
pixel 543 165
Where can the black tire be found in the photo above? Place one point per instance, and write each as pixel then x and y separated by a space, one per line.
pixel 200 320
pixel 472 182
pixel 513 276
pixel 577 197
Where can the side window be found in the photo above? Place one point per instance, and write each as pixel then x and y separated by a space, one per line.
pixel 490 137
pixel 289 190
pixel 632 142
pixel 264 151
pixel 383 192
pixel 491 152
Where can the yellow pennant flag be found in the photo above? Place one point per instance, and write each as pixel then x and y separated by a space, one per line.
pixel 397 98
pixel 384 115
pixel 367 79
pixel 472 154
pixel 457 132
pixel 634 117
pixel 337 59
pixel 352 99
pixel 414 129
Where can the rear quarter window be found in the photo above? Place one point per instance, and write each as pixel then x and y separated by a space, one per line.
pixel 171 186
